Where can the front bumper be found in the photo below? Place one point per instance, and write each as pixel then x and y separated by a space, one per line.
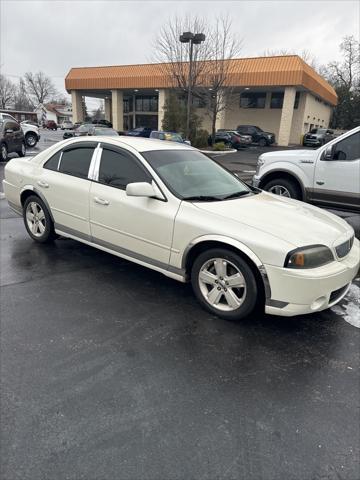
pixel 312 142
pixel 256 181
pixel 297 292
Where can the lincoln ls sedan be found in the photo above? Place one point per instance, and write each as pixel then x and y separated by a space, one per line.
pixel 169 207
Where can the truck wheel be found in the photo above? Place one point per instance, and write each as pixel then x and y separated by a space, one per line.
pixel 283 187
pixel 262 142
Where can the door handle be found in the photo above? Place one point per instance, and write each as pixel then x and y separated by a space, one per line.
pixel 320 183
pixel 101 201
pixel 42 184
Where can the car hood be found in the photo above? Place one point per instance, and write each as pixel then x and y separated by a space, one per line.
pixel 296 222
pixel 289 155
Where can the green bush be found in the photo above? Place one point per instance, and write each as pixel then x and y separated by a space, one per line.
pixel 219 146
pixel 200 139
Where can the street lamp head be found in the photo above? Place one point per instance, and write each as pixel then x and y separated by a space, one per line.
pixel 186 37
pixel 198 38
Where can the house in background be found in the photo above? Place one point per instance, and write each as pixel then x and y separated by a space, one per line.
pixel 55 112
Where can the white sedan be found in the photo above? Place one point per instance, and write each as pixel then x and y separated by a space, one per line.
pixel 169 207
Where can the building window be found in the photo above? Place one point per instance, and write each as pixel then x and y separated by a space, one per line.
pixel 252 100
pixel 146 104
pixel 297 98
pixel 198 102
pixel 277 100
pixel 128 104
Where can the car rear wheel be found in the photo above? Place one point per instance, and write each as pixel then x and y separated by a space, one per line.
pixel 37 220
pixel 224 284
pixel 283 187
pixel 22 152
pixel 3 153
pixel 31 139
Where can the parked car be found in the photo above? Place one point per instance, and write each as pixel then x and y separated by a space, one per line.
pixel 102 131
pixel 173 209
pixel 169 136
pixel 50 125
pixel 257 134
pixel 103 122
pixel 12 139
pixel 31 132
pixel 140 132
pixel 81 131
pixel 231 138
pixel 317 137
pixel 66 125
pixel 328 176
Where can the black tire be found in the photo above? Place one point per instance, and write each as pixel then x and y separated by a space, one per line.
pixel 3 153
pixel 288 184
pixel 250 293
pixel 263 142
pixel 31 139
pixel 48 235
pixel 22 152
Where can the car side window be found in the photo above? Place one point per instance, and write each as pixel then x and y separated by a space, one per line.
pixel 118 168
pixel 76 161
pixel 348 149
pixel 11 125
pixel 53 162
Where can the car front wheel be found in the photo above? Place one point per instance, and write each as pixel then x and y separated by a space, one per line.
pixel 31 140
pixel 37 220
pixel 224 284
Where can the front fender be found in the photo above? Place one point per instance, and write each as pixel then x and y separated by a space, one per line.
pixel 304 178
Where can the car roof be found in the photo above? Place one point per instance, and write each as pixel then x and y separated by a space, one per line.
pixel 137 143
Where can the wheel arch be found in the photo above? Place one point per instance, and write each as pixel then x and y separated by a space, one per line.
pixel 29 190
pixel 207 242
pixel 283 174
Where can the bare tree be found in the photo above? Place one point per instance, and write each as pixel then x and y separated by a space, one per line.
pixel 216 87
pixel 39 86
pixel 7 92
pixel 21 98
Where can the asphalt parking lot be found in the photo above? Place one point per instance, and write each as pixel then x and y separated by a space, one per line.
pixel 112 371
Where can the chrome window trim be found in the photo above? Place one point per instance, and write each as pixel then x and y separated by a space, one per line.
pixel 59 162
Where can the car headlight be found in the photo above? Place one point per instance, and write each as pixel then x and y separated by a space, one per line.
pixel 309 257
pixel 269 135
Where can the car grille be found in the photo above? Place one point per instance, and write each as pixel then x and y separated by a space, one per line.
pixel 336 294
pixel 344 248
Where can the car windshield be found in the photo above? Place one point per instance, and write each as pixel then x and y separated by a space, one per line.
pixel 106 131
pixel 191 175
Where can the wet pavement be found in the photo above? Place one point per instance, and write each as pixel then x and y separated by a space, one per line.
pixel 112 371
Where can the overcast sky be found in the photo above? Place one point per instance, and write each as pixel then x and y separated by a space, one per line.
pixel 53 36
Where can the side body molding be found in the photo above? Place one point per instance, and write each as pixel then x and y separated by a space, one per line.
pixel 236 244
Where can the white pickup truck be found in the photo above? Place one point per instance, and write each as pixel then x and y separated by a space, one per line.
pixel 328 176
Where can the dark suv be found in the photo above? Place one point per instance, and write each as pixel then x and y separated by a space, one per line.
pixel 317 137
pixel 12 139
pixel 257 134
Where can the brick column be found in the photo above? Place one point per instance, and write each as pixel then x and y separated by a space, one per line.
pixel 161 104
pixel 286 116
pixel 117 109
pixel 77 109
pixel 107 105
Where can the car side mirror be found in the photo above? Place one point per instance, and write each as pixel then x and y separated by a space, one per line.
pixel 329 153
pixel 140 189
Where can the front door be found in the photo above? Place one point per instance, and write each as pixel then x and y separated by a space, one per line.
pixel 337 181
pixel 138 227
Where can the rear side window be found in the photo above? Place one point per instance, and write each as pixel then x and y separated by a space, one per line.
pixel 76 161
pixel 118 168
pixel 53 162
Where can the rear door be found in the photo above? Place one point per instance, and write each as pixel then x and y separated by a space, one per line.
pixel 65 184
pixel 337 181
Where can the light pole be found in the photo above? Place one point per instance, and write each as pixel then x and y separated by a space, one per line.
pixel 193 39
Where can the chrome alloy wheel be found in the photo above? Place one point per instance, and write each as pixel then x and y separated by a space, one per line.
pixel 222 284
pixel 280 190
pixel 35 219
